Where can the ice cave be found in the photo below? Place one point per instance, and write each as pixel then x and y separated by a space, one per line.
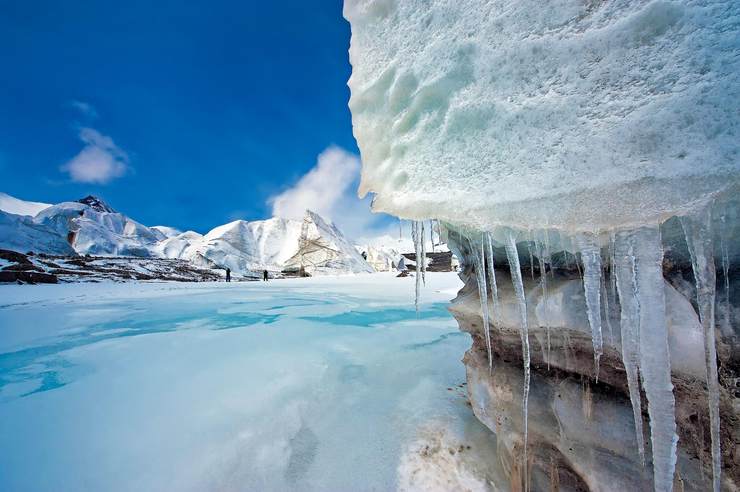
pixel 583 158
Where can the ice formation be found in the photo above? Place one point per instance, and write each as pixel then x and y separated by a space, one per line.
pixel 516 278
pixel 591 257
pixel 698 231
pixel 572 115
pixel 479 259
pixel 576 132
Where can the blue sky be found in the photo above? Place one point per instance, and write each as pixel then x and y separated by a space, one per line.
pixel 188 114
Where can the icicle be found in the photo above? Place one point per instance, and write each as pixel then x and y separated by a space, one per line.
pixel 623 270
pixel 516 278
pixel 431 233
pixel 420 233
pixel 478 252
pixel 591 258
pixel 655 363
pixel 530 243
pixel 492 275
pixel 698 231
pixel 726 273
pixel 415 238
pixel 543 283
pixel 607 317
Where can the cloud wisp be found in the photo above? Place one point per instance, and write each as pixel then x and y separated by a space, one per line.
pixel 329 189
pixel 99 162
pixel 86 109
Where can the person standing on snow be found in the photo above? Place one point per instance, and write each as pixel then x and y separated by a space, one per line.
pixel 264 276
pixel 228 274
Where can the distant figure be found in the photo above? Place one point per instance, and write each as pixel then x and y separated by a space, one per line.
pixel 364 255
pixel 228 274
pixel 264 276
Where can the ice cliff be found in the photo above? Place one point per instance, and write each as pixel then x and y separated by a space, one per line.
pixel 584 158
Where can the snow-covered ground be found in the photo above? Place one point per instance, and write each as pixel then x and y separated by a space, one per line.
pixel 330 383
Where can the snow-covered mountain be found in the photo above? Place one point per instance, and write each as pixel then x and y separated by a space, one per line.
pixel 166 231
pixel 21 233
pixel 247 246
pixel 323 249
pixel 13 205
pixel 91 226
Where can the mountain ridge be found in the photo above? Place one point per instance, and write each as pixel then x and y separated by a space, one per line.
pixel 90 226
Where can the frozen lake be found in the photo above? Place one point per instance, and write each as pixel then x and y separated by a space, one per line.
pixel 304 384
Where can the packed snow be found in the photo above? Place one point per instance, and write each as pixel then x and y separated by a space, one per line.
pixel 575 115
pixel 327 383
pixel 13 205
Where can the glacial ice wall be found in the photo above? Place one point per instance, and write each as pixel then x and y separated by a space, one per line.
pixel 569 114
pixel 602 137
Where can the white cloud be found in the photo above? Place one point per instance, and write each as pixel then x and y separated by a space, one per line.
pixel 329 189
pixel 86 109
pixel 100 161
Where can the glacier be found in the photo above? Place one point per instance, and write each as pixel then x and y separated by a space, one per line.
pixel 583 140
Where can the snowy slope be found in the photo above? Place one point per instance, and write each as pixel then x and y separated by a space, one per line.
pixel 16 206
pixel 165 232
pixel 272 244
pixel 21 233
pixel 323 249
pixel 176 246
pixel 246 246
pixel 96 229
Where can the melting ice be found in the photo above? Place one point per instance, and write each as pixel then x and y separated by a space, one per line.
pixel 306 384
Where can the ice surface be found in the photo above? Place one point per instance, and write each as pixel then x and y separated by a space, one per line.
pixel 306 384
pixel 575 115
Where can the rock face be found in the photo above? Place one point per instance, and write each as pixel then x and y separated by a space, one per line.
pixel 581 432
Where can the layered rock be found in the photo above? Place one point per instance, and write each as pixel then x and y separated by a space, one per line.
pixel 581 431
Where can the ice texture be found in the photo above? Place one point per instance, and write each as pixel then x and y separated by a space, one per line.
pixel 575 115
